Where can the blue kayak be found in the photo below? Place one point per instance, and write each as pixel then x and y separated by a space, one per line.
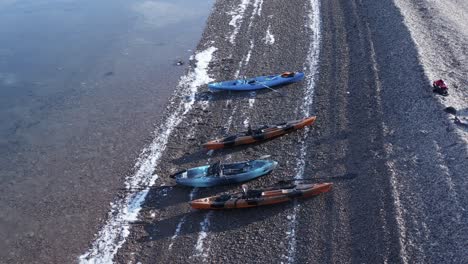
pixel 222 174
pixel 256 83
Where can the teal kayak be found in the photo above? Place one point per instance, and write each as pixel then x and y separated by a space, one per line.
pixel 222 174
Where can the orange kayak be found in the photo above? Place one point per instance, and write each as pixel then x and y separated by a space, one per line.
pixel 253 198
pixel 260 134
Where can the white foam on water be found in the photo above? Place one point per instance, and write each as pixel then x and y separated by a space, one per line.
pixel 125 210
pixel 236 20
pixel 312 71
pixel 269 38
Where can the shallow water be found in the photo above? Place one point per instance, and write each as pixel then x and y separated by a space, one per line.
pixel 82 86
pixel 52 51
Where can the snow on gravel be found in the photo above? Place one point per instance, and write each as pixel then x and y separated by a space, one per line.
pixel 269 38
pixel 236 20
pixel 312 71
pixel 439 30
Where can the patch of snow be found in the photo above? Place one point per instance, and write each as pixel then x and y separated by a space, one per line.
pixel 269 38
pixel 229 122
pixel 252 99
pixel 200 248
pixel 257 10
pixel 259 6
pixel 246 122
pixel 312 71
pixel 249 53
pixel 177 231
pixel 401 224
pixel 236 20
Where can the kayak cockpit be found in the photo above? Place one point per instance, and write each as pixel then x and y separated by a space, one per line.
pixel 221 170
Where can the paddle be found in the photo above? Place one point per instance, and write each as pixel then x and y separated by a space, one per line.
pixel 348 176
pixel 144 188
pixel 264 157
pixel 266 86
pixel 174 174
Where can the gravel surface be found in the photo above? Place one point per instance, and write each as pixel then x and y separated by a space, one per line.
pixel 440 31
pixel 376 116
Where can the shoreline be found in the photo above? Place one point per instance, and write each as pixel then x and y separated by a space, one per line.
pixel 69 165
pixel 364 126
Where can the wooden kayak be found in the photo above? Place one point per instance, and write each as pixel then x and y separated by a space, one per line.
pixel 254 198
pixel 259 134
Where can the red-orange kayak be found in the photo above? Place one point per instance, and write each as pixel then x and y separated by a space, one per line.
pixel 260 134
pixel 253 198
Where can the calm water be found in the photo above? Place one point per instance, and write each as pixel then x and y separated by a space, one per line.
pixel 50 50
pixel 82 86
